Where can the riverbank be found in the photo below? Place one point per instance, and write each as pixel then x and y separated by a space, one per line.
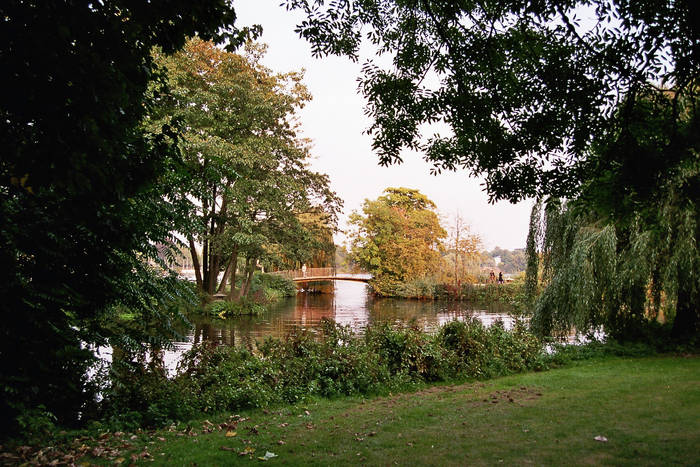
pixel 265 290
pixel 602 411
pixel 508 293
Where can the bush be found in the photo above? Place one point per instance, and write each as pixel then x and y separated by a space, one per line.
pixel 427 288
pixel 483 352
pixel 223 308
pixel 273 286
pixel 336 362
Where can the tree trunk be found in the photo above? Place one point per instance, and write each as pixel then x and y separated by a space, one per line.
pixel 195 263
pixel 213 273
pixel 205 265
pixel 244 282
pixel 249 281
pixel 224 279
pixel 685 324
pixel 234 268
pixel 457 227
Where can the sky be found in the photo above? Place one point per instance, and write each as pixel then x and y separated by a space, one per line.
pixel 335 122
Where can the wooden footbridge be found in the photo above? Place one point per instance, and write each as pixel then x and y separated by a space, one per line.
pixel 322 274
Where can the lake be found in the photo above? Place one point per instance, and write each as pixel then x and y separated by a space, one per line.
pixel 351 304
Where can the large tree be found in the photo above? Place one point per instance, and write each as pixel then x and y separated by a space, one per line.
pixel 626 250
pixel 397 238
pixel 524 87
pixel 248 166
pixel 83 199
pixel 593 100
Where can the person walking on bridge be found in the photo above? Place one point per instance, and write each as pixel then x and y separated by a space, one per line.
pixel 303 270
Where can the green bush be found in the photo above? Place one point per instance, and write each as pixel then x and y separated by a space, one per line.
pixel 335 362
pixel 273 286
pixel 484 352
pixel 223 308
pixel 427 288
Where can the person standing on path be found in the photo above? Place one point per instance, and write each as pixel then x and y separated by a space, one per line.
pixel 500 277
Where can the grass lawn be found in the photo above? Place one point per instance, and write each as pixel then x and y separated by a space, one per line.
pixel 648 409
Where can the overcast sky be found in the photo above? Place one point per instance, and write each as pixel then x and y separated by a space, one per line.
pixel 334 120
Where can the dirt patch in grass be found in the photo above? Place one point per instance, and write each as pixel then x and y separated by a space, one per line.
pixel 519 396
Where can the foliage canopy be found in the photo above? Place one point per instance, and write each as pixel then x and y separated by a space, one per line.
pixel 625 252
pixel 82 197
pixel 397 238
pixel 247 168
pixel 524 87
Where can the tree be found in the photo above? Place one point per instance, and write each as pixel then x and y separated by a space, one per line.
pixel 543 104
pixel 511 261
pixel 249 168
pixel 524 87
pixel 628 243
pixel 465 249
pixel 398 238
pixel 83 198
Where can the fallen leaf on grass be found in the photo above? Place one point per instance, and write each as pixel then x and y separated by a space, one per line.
pixel 226 448
pixel 602 439
pixel 231 434
pixel 280 442
pixel 248 450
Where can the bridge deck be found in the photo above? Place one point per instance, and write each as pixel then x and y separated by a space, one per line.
pixel 331 278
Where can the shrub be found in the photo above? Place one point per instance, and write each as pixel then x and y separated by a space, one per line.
pixel 223 308
pixel 273 286
pixel 482 352
pixel 335 362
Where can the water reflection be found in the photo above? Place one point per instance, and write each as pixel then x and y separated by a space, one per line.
pixel 351 305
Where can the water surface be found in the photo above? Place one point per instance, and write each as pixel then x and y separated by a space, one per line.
pixel 350 304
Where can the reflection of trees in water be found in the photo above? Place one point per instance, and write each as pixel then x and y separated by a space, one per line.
pixel 305 310
pixel 310 308
pixel 351 305
pixel 429 314
pixel 222 335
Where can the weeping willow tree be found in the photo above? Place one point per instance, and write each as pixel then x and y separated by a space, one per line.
pixel 624 253
pixel 578 269
pixel 596 274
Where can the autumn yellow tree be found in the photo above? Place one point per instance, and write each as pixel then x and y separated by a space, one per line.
pixel 397 238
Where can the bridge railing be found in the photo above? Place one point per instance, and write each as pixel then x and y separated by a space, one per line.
pixel 310 272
